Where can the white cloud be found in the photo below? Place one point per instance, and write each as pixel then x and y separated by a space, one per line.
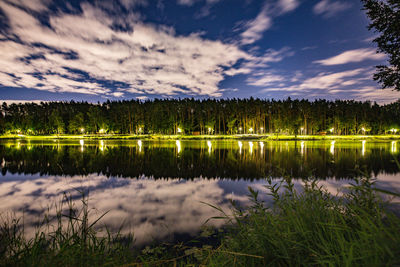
pixel 150 59
pixel 332 80
pixel 328 8
pixel 356 55
pixel 349 84
pixel 288 5
pixel 256 27
pixel 255 64
pixel 267 79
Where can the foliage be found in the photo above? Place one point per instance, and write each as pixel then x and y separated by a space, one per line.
pixel 385 19
pixel 313 228
pixel 224 116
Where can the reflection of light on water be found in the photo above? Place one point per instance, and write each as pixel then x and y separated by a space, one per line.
pixel 332 149
pixel 262 147
pixel 394 147
pixel 363 147
pixel 209 146
pixel 178 145
pixel 81 142
pixel 302 147
pixel 251 147
pixel 240 146
pixel 139 142
pixel 101 145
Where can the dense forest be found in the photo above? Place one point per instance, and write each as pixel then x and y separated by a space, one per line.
pixel 193 116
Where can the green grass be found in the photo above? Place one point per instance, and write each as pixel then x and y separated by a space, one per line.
pixel 307 228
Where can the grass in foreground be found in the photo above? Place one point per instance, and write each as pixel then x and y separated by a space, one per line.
pixel 305 228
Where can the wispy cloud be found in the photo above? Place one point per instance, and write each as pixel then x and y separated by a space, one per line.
pixel 191 2
pixel 84 53
pixel 348 84
pixel 356 55
pixel 256 64
pixel 328 8
pixel 256 27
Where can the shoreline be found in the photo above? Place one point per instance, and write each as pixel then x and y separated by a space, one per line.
pixel 271 137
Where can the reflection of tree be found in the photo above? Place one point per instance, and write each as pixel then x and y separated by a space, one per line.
pixel 225 161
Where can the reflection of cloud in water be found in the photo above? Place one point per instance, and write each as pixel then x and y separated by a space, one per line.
pixel 152 209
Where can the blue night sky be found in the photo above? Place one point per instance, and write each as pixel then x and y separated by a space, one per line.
pixel 145 49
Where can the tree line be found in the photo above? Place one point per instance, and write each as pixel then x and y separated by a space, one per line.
pixel 195 116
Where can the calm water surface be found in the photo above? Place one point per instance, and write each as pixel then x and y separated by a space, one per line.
pixel 155 188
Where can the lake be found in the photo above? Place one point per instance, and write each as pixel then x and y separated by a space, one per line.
pixel 156 188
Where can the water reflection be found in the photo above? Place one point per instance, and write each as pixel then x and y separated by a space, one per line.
pixel 170 178
pixel 152 209
pixel 191 159
pixel 332 149
pixel 178 145
pixel 363 147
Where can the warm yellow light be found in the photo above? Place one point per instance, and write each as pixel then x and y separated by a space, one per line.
pixel 179 130
pixel 302 128
pixel 251 130
pixel 209 129
pixel 240 128
pixel 331 130
pixel 332 149
pixel 178 145
pixel 101 145
pixel 363 129
pixel 82 130
pixel 102 130
pixel 363 147
pixel 261 128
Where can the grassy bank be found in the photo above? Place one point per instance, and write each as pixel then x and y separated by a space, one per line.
pixel 299 228
pixel 265 137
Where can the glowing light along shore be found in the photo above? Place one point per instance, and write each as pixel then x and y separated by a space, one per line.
pixel 178 146
pixel 82 143
pixel 394 147
pixel 332 148
pixel 139 142
pixel 363 147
